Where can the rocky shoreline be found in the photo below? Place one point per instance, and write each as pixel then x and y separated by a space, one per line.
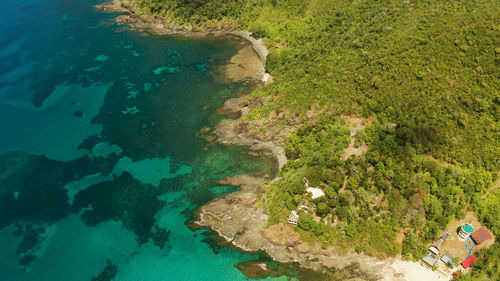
pixel 235 132
pixel 241 222
pixel 135 22
pixel 237 217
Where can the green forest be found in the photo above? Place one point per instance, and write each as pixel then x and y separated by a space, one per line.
pixel 426 72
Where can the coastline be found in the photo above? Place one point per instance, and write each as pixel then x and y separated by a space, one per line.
pixel 136 22
pixel 237 217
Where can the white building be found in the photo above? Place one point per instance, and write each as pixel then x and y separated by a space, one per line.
pixel 466 230
pixel 316 192
pixel 293 218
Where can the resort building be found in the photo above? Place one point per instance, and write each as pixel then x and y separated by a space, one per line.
pixel 293 218
pixel 465 231
pixel 481 235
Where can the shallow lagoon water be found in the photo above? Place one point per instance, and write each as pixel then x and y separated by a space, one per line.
pixel 99 164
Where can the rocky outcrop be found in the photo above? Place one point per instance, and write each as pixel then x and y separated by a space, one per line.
pixel 238 133
pixel 238 219
pixel 240 206
pixel 114 6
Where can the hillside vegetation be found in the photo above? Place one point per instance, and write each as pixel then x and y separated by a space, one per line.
pixel 427 73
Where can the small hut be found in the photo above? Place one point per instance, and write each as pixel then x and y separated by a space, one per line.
pixel 436 246
pixel 293 218
pixel 465 230
pixel 448 260
pixel 481 235
pixel 430 258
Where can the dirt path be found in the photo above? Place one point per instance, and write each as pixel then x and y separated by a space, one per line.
pixel 495 185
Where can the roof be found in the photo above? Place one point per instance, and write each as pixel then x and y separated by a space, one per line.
pixel 438 244
pixel 293 218
pixel 430 259
pixel 468 261
pixel 467 227
pixel 316 192
pixel 480 235
pixel 448 259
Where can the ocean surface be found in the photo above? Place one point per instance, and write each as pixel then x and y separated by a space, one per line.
pixel 101 162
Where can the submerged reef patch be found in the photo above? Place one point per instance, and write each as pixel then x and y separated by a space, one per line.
pixel 150 171
pixel 161 237
pixel 131 110
pixel 30 238
pixel 76 186
pixel 104 149
pixel 159 70
pixel 33 193
pixel 123 199
pixel 39 198
pixel 108 272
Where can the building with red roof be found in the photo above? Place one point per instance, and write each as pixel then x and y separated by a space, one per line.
pixel 468 261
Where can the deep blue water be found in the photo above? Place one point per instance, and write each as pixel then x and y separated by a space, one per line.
pixel 100 166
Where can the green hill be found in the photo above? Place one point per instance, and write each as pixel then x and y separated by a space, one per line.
pixel 426 74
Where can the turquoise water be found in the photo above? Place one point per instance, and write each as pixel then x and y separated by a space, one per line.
pixel 100 168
